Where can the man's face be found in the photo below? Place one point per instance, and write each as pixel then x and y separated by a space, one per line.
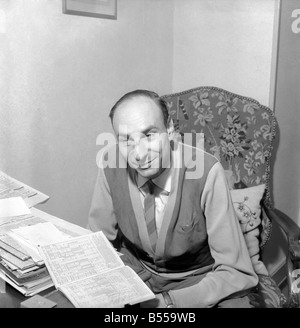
pixel 143 139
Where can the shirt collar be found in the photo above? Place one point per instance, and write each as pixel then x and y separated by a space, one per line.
pixel 163 181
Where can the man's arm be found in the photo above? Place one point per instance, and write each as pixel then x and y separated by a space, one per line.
pixel 101 214
pixel 232 271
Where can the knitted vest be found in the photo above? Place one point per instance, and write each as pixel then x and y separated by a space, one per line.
pixel 182 245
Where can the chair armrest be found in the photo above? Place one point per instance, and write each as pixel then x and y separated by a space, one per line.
pixel 292 232
pixel 291 229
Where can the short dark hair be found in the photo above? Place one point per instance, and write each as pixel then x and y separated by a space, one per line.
pixel 143 93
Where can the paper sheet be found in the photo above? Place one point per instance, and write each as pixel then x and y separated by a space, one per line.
pixel 110 289
pixel 40 234
pixel 91 274
pixel 80 257
pixel 24 290
pixel 64 226
pixel 14 206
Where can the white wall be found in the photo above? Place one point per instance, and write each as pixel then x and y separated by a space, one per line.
pixel 230 44
pixel 287 105
pixel 286 99
pixel 224 43
pixel 59 76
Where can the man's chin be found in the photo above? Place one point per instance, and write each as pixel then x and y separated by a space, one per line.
pixel 148 167
pixel 148 172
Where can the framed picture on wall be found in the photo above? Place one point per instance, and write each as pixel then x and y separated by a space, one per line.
pixel 91 8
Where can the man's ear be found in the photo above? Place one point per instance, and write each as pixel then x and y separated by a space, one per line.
pixel 170 128
pixel 172 133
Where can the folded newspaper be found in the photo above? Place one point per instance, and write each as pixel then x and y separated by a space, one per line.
pixel 90 273
pixel 10 187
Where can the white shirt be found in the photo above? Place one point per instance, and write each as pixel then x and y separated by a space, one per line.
pixel 161 193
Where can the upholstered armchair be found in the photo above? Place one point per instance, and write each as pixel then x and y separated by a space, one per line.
pixel 240 132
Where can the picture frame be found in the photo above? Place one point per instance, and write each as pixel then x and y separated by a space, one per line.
pixel 91 8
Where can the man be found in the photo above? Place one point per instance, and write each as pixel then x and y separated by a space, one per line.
pixel 194 254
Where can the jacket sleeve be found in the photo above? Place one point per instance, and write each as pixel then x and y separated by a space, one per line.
pixel 232 271
pixel 101 214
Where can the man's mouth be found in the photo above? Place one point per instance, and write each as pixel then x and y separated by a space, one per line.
pixel 147 165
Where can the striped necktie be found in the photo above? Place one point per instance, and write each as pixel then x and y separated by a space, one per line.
pixel 149 208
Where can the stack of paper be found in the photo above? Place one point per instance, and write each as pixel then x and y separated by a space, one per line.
pixel 23 229
pixel 25 275
pixel 38 251
pixel 20 264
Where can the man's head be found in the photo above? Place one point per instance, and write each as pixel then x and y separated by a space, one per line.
pixel 140 120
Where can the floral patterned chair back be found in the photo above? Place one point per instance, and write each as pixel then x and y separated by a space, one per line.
pixel 237 130
pixel 240 132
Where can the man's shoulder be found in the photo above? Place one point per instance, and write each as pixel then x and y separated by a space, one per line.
pixel 192 153
pixel 196 162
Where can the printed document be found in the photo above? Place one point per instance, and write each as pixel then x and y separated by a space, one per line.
pixel 90 273
pixel 10 187
pixel 21 264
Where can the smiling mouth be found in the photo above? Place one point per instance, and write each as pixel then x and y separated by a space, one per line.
pixel 146 165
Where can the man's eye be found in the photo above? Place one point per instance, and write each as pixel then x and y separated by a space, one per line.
pixel 126 142
pixel 151 135
pixel 123 141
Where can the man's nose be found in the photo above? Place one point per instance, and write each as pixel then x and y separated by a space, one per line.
pixel 141 150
